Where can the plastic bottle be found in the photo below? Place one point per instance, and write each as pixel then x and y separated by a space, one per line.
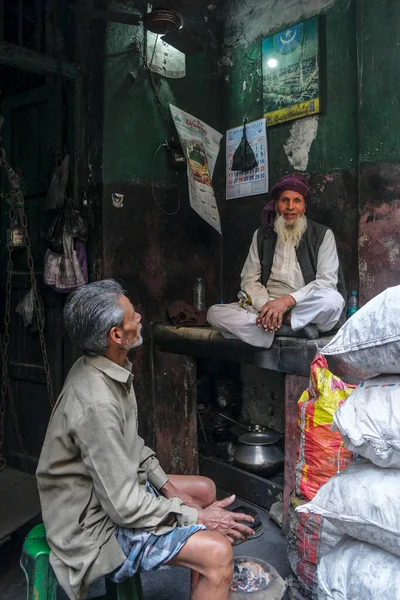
pixel 352 306
pixel 199 294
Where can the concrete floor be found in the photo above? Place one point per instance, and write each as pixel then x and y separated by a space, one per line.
pixel 169 584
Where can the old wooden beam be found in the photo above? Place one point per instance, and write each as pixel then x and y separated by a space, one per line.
pixel 108 15
pixel 35 62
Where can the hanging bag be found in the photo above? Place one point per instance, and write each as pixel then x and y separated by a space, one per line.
pixel 244 158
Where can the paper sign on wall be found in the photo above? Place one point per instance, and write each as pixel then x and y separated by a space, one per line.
pixel 256 181
pixel 200 143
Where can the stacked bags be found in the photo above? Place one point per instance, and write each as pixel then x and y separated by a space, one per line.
pixel 361 503
pixel 321 454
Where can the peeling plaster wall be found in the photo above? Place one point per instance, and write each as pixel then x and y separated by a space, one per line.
pixel 379 121
pixel 260 17
pixel 297 148
pixel 325 146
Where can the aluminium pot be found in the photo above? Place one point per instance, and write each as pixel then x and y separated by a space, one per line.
pixel 259 452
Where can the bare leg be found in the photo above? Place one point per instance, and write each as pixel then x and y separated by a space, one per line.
pixel 202 489
pixel 210 555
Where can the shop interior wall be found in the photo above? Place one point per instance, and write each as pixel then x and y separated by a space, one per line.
pixel 156 256
pixel 350 152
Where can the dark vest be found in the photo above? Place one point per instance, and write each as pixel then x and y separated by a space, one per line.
pixel 307 253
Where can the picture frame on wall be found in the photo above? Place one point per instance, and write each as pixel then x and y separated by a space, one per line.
pixel 291 72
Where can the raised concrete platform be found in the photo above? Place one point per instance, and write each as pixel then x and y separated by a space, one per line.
pixel 287 354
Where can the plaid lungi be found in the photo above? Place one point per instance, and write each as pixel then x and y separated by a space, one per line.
pixel 145 551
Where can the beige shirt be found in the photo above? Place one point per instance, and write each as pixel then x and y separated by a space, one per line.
pixel 92 474
pixel 286 276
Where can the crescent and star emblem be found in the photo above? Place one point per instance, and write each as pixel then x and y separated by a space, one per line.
pixel 289 39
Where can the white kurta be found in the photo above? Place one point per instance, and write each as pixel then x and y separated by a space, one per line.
pixel 286 276
pixel 317 302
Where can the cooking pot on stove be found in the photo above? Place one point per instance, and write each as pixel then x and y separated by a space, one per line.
pixel 259 452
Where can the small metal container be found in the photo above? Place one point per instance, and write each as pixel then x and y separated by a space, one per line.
pixel 259 452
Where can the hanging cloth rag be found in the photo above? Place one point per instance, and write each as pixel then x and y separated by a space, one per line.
pixel 244 158
pixel 63 272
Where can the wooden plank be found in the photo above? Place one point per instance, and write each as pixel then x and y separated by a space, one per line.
pixel 35 62
pixel 19 500
pixel 294 387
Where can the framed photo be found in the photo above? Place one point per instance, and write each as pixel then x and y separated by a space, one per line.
pixel 291 72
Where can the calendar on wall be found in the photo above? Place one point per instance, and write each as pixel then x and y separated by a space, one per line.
pixel 256 181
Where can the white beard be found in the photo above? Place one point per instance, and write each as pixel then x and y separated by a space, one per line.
pixel 290 231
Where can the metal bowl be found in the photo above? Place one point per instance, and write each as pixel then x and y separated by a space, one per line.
pixel 273 590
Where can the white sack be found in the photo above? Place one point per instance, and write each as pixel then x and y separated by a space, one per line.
pixel 358 571
pixel 369 421
pixel 362 501
pixel 370 339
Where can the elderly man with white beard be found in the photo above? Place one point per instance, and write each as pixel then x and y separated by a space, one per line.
pixel 292 282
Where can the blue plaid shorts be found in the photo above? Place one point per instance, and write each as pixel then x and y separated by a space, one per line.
pixel 145 551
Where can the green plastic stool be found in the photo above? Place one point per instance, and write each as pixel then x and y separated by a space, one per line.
pixel 42 582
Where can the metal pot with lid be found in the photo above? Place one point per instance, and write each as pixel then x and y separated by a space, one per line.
pixel 259 452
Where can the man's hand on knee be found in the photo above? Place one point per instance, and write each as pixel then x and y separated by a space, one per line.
pixel 230 524
pixel 271 314
pixel 169 490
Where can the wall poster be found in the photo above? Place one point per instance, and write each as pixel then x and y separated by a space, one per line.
pixel 247 183
pixel 291 72
pixel 200 144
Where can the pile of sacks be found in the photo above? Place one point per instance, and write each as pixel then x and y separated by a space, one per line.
pixel 362 502
pixel 321 454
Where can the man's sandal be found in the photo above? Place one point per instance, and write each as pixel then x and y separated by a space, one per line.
pixel 257 526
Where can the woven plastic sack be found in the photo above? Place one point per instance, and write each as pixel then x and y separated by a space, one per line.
pixel 362 502
pixel 321 452
pixel 369 422
pixel 359 571
pixel 310 537
pixel 370 340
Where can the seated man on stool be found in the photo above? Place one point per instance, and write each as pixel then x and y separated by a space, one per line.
pixel 291 279
pixel 107 505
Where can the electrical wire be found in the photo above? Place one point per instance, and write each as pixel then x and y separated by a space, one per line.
pixel 164 144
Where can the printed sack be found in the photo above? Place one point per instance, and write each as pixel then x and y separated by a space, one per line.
pixel 370 339
pixel 356 570
pixel 310 537
pixel 321 453
pixel 369 421
pixel 362 501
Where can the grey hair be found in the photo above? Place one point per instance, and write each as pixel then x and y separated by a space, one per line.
pixel 90 312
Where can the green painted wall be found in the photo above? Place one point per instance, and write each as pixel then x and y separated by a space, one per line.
pixel 379 77
pixel 135 122
pixel 335 145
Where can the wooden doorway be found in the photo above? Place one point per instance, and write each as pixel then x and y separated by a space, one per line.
pixel 35 129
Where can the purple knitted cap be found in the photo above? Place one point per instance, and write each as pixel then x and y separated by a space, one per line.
pixel 295 182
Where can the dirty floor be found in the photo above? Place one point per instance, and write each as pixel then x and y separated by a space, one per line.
pixel 170 584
